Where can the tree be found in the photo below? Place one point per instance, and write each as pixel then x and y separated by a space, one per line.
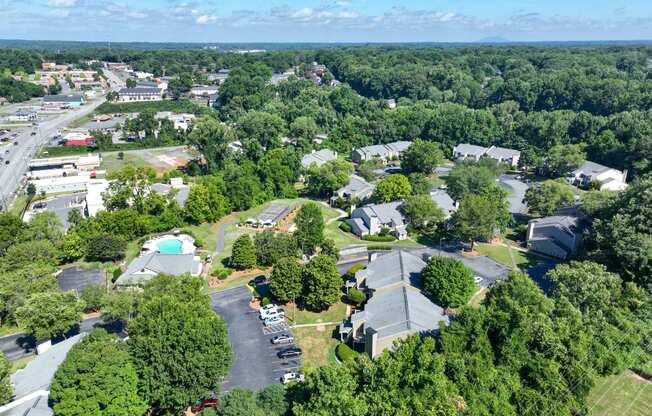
pixel 121 305
pixel 180 85
pixel 564 158
pixel 48 314
pixel 105 247
pixel 286 282
pixel 271 246
pixel 198 209
pixel 265 128
pixel 244 253
pixel 74 217
pixel 546 198
pixel 393 188
pixel 19 255
pixel 11 228
pixel 6 392
pixel 422 156
pixel 93 297
pixel 322 283
pixel 73 247
pixel 422 212
pixel 448 281
pixel 419 183
pixel 310 227
pixel 239 402
pixel 477 218
pixel 356 296
pixel 469 178
pixel 98 378
pixel 180 350
pixel 328 248
pixel 272 400
pixel 31 191
pixel 212 139
pixel 324 180
pixel 131 83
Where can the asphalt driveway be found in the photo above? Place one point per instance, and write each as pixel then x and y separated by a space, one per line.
pixel 256 364
pixel 517 190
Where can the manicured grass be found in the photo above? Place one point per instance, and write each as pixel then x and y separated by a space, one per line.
pixel 240 281
pixel 335 313
pixel 18 205
pixel 207 233
pixel 622 394
pixel 342 239
pixel 21 363
pixel 318 346
pixel 111 163
pixel 133 248
pixel 500 254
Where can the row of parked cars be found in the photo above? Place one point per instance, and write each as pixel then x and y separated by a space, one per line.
pixel 273 315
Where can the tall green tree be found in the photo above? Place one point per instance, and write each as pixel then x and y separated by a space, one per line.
pixel 286 282
pixel 422 156
pixel 546 198
pixel 310 227
pixel 422 212
pixel 180 349
pixel 469 178
pixel 448 281
pixel 98 378
pixel 212 139
pixel 477 218
pixel 243 253
pixel 393 188
pixel 322 283
pixel 49 314
pixel 562 159
pixel 6 391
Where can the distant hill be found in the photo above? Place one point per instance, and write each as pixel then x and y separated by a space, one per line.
pixel 494 39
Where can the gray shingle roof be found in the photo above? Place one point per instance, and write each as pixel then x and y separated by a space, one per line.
pixel 62 98
pixel 502 153
pixel 469 149
pixel 590 169
pixel 140 91
pixel 357 187
pixel 318 157
pixel 402 309
pixel 155 263
pixel 386 213
pixel 444 201
pixel 383 150
pixel 392 268
pixel 181 195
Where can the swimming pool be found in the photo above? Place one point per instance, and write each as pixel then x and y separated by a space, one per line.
pixel 170 246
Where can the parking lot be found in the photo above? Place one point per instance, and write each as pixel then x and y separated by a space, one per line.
pixel 256 363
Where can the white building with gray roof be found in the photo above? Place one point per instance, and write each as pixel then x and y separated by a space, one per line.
pixel 610 179
pixel 396 308
pixel 382 152
pixel 357 189
pixel 466 151
pixel 371 219
pixel 318 158
pixel 145 267
pixel 444 201
pixel 31 385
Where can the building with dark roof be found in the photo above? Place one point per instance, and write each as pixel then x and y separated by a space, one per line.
pixel 358 189
pixel 557 236
pixel 145 267
pixel 52 102
pixel 371 219
pixel 466 151
pixel 382 152
pixel 609 179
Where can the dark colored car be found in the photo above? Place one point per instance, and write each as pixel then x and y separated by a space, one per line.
pixel 290 352
pixel 283 339
pixel 258 280
pixel 40 205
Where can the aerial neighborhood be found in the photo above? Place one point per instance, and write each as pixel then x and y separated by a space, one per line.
pixel 362 230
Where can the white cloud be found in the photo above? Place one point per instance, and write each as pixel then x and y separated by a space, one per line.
pixel 206 19
pixel 62 3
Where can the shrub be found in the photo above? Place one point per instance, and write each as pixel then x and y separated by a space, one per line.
pixel 379 247
pixel 266 301
pixel 379 238
pixel 345 353
pixel 355 268
pixel 222 274
pixel 344 226
pixel 356 296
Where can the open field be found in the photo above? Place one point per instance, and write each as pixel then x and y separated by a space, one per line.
pixel 318 346
pixel 160 159
pixel 622 395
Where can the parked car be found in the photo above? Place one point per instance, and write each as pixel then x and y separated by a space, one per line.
pixel 283 339
pixel 272 313
pixel 40 205
pixel 273 321
pixel 292 376
pixel 268 307
pixel 33 133
pixel 478 279
pixel 289 352
pixel 6 162
pixel 258 280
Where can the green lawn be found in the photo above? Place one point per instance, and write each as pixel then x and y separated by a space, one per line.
pixel 623 395
pixel 111 163
pixel 335 313
pixel 207 233
pixel 500 254
pixel 318 346
pixel 240 281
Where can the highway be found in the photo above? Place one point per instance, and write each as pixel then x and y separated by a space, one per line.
pixel 28 145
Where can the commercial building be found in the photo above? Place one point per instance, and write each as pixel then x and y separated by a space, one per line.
pixel 140 94
pixel 87 162
pixel 94 199
pixel 58 102
pixel 609 179
pixel 382 152
pixel 204 90
pixel 52 185
pixel 78 139
pixel 180 121
pixel 396 307
pixel 22 116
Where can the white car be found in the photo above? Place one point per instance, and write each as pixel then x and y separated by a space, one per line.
pixel 292 376
pixel 277 313
pixel 266 313
pixel 273 321
pixel 478 279
pixel 268 307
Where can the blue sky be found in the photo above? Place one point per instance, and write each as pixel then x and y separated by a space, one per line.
pixel 325 21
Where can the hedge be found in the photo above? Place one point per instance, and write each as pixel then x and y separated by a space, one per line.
pixel 345 353
pixel 379 238
pixel 379 247
pixel 355 268
pixel 344 226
